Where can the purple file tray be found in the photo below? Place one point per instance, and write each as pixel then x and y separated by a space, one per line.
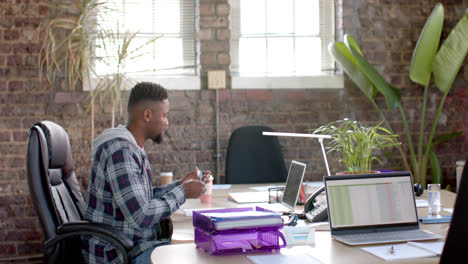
pixel 203 222
pixel 236 240
pixel 246 241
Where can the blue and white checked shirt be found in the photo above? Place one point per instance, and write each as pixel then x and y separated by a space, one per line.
pixel 120 194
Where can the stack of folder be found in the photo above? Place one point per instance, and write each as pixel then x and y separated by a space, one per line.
pixel 238 230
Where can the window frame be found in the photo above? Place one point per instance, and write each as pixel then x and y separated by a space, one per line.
pixel 171 81
pixel 326 79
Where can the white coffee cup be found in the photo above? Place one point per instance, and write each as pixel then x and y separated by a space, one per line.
pixel 166 177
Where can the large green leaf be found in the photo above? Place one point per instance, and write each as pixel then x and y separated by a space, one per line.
pixel 391 94
pixel 426 48
pixel 451 55
pixel 341 54
pixel 445 137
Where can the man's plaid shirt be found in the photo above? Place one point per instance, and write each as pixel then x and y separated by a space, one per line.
pixel 120 194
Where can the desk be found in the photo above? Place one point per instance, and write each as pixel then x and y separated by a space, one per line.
pixel 325 249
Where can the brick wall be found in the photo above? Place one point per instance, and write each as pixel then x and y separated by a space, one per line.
pixel 386 30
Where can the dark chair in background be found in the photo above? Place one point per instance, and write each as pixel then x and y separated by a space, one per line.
pixel 254 158
pixel 456 243
pixel 57 198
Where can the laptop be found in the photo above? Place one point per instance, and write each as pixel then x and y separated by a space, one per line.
pixel 373 208
pixel 291 190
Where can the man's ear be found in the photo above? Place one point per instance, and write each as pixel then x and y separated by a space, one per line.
pixel 147 115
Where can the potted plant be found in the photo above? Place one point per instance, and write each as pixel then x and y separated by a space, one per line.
pixel 356 143
pixel 443 63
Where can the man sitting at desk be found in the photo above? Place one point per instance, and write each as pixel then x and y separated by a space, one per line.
pixel 120 193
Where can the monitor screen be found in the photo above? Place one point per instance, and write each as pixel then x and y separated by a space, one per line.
pixel 293 184
pixel 371 201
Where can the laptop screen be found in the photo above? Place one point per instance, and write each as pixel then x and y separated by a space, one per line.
pixel 383 199
pixel 293 184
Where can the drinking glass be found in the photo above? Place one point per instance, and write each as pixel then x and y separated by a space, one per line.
pixel 433 199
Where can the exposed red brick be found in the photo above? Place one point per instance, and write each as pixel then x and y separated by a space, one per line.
pixel 223 95
pixel 15 86
pixel 64 97
pixel 213 22
pixel 214 46
pixel 5 48
pixel 223 34
pixel 205 34
pixel 4 136
pixel 208 58
pixel 32 235
pixel 2 86
pixel 294 95
pixel 224 59
pixel 14 60
pixel 7 250
pixel 20 136
pixel 259 95
pixel 11 35
pixel 222 9
pixel 27 48
pixel 206 9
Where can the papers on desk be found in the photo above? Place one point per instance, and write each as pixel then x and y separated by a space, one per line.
pixel 265 188
pixel 236 218
pixel 406 251
pixel 189 211
pixel 244 219
pixel 284 259
pixel 221 186
pixel 434 247
pixel 449 210
pixel 249 197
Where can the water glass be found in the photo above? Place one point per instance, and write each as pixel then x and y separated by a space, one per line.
pixel 433 199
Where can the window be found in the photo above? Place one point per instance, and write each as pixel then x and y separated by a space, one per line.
pixel 172 54
pixel 281 38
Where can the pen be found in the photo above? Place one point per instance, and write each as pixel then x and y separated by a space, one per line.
pixel 391 250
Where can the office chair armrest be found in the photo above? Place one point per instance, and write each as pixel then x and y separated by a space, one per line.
pixel 121 241
pixel 97 229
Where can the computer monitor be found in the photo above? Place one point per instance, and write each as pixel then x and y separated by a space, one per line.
pixel 293 184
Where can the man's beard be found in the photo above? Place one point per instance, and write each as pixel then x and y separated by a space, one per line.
pixel 158 139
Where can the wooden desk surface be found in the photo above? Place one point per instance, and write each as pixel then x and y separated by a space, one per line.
pixel 326 249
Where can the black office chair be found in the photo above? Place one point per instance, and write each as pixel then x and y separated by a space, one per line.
pixel 254 158
pixel 58 201
pixel 456 243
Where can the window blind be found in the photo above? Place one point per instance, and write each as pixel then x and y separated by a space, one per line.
pixel 172 22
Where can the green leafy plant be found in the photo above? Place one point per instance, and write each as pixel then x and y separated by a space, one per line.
pixel 357 144
pixel 444 63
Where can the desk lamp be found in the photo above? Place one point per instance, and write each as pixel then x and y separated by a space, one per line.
pixel 319 137
pixel 293 217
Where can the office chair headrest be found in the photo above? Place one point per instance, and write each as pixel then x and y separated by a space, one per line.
pixel 58 146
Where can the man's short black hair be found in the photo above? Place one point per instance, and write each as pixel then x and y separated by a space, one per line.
pixel 144 91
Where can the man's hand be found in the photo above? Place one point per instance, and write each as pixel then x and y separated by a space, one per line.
pixel 193 188
pixel 194 176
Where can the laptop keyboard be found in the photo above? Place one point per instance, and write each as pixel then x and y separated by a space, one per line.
pixel 384 237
